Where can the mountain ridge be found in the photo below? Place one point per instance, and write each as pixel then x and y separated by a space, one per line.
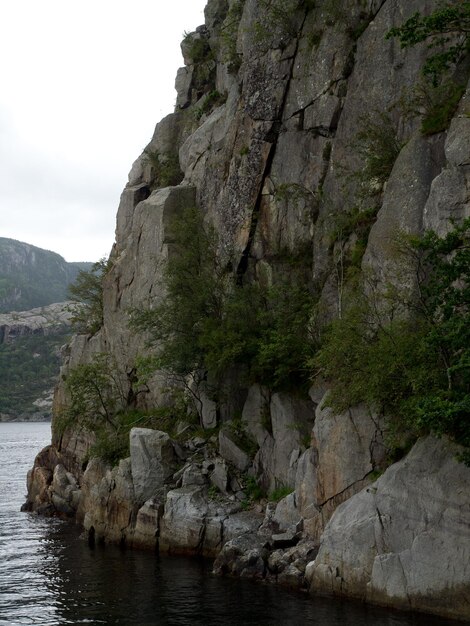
pixel 32 277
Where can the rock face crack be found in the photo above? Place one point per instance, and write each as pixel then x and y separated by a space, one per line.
pixel 270 138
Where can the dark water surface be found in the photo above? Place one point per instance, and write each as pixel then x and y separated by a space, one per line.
pixel 49 576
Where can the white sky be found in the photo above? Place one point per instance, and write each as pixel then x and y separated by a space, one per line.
pixel 83 83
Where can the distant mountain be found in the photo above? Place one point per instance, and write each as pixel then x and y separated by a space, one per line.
pixel 31 277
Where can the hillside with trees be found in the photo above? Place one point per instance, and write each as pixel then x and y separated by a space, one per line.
pixel 32 277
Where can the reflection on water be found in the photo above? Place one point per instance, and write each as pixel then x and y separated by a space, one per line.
pixel 49 576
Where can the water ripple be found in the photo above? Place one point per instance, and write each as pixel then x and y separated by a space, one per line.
pixel 49 576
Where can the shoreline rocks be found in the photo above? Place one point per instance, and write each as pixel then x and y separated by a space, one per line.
pixel 402 541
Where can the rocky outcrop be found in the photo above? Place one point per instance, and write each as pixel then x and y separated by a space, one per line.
pixel 269 109
pixel 404 540
pixel 46 320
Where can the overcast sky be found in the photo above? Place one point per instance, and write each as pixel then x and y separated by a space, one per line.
pixel 83 83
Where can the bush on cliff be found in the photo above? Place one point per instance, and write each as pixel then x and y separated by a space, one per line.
pixel 87 292
pixel 208 323
pixel 445 72
pixel 446 31
pixel 415 365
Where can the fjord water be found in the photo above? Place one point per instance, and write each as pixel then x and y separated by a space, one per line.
pixel 49 576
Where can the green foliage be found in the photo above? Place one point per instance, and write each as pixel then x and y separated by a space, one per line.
pixel 207 323
pixel 445 102
pixel 435 105
pixel 242 438
pixel 99 403
pixel 28 366
pixel 194 290
pixel 87 292
pixel 96 391
pixel 415 367
pixel 211 100
pixel 228 36
pixel 285 341
pixel 279 23
pixel 196 48
pixel 110 445
pixel 377 146
pixel 252 490
pixel 446 29
pixel 279 493
pixel 166 168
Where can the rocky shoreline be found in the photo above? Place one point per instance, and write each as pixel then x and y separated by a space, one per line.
pixel 189 499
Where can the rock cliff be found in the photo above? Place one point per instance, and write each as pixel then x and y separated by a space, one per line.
pixel 47 320
pixel 265 141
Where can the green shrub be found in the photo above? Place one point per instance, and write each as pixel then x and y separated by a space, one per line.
pixel 439 114
pixel 196 48
pixel 211 100
pixel 446 29
pixel 434 105
pixel 414 366
pixel 279 493
pixel 377 146
pixel 96 391
pixel 252 490
pixel 228 36
pixel 209 323
pixel 166 168
pixel 87 292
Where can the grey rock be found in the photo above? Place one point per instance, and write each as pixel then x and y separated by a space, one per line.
pixel 343 444
pixel 449 199
pixel 286 513
pixel 285 540
pixel 62 506
pixel 291 576
pixel 219 475
pixel 276 461
pixel 153 461
pixel 193 475
pixel 408 188
pixel 244 556
pixel 107 505
pixel 241 523
pixel 183 523
pixel 230 451
pixel 183 82
pixel 458 136
pixel 46 320
pixel 256 414
pixel 404 540
pixel 147 524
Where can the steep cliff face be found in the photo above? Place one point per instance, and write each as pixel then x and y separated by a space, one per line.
pixel 272 104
